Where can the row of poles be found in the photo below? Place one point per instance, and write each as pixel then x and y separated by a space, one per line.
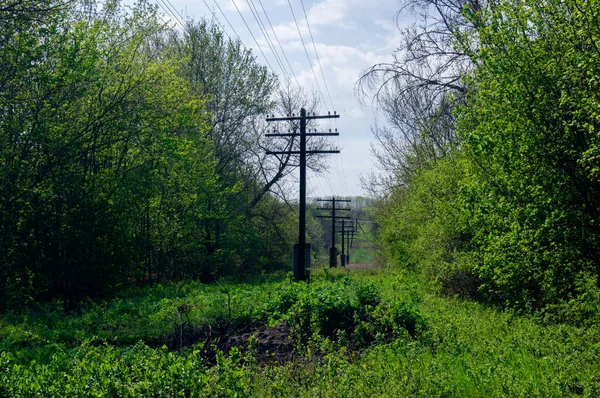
pixel 339 224
pixel 302 249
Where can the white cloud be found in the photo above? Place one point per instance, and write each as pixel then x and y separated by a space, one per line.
pixel 328 11
pixel 355 112
pixel 230 5
pixel 289 31
pixel 386 24
pixel 350 36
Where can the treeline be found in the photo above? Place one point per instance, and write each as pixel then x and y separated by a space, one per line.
pixel 492 152
pixel 131 152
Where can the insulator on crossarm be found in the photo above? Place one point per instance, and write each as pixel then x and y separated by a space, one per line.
pixel 334 113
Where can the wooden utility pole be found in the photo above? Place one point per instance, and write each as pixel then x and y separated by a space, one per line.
pixel 300 250
pixel 351 239
pixel 334 218
pixel 343 258
pixel 346 230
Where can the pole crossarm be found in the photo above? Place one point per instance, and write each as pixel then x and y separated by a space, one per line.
pixel 307 117
pixel 298 135
pixel 336 217
pixel 331 208
pixel 334 200
pixel 299 152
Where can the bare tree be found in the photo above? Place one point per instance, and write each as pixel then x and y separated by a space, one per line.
pixel 418 91
pixel 273 173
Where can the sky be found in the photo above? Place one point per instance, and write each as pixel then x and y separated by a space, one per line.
pixel 349 37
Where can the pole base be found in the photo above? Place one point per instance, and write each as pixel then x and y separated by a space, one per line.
pixel 302 272
pixel 332 257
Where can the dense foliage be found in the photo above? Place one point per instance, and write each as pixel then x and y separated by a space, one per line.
pixel 508 210
pixel 123 152
pixel 461 348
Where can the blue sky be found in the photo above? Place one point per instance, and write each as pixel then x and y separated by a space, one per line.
pixel 349 36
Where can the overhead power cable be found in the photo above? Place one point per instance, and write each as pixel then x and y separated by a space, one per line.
pixel 263 29
pixel 212 11
pixel 279 43
pixel 317 54
pixel 181 18
pixel 170 14
pixel 253 37
pixel 226 19
pixel 341 170
pixel 306 52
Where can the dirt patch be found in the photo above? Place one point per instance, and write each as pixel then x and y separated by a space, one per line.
pixel 271 344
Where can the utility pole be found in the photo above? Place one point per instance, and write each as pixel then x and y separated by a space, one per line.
pixel 350 235
pixel 334 218
pixel 300 250
pixel 343 258
pixel 346 230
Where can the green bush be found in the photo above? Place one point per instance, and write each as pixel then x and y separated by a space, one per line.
pixel 350 312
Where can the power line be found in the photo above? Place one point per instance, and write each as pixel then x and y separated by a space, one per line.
pixel 175 11
pixel 212 11
pixel 306 51
pixel 342 177
pixel 279 43
pixel 226 19
pixel 317 54
pixel 170 14
pixel 266 36
pixel 252 34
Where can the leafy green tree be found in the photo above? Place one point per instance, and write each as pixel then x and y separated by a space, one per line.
pixel 105 153
pixel 532 124
pixel 519 187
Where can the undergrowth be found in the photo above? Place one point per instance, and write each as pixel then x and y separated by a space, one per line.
pixel 365 333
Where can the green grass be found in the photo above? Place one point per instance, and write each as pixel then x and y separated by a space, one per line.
pixel 462 349
pixel 363 248
pixel 146 314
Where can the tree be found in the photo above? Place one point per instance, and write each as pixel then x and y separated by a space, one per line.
pixel 238 88
pixel 517 194
pixel 531 125
pixel 420 90
pixel 93 140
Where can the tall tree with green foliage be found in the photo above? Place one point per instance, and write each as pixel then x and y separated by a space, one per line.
pixel 106 162
pixel 532 125
pixel 521 212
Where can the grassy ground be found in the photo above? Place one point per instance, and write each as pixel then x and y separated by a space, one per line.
pixel 364 247
pixel 347 334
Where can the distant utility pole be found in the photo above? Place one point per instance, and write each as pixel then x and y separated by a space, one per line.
pixel 334 218
pixel 351 233
pixel 347 228
pixel 300 250
pixel 350 236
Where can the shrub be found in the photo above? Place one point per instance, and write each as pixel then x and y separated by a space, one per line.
pixel 348 312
